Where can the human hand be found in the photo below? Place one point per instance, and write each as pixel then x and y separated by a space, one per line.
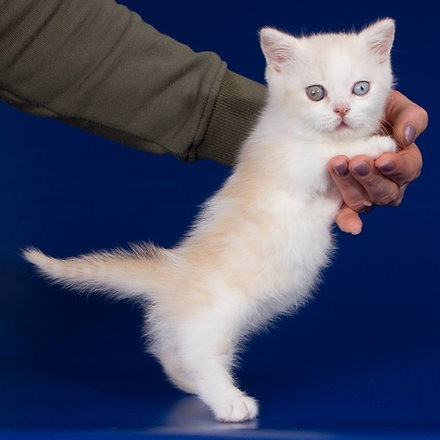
pixel 364 182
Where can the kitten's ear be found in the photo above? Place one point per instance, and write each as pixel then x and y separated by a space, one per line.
pixel 278 48
pixel 379 37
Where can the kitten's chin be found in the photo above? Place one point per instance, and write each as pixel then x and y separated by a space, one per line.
pixel 346 134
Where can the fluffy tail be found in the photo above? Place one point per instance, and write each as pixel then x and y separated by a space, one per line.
pixel 138 273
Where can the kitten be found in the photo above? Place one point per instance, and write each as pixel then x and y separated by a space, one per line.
pixel 257 248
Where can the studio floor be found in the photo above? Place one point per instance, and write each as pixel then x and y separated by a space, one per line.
pixel 348 398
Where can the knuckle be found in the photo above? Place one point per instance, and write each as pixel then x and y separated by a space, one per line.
pixel 360 206
pixel 424 115
pixel 393 197
pixel 396 202
pixel 421 116
pixel 384 200
pixel 416 174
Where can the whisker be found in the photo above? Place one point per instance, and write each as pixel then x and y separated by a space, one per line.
pixel 384 128
pixel 389 131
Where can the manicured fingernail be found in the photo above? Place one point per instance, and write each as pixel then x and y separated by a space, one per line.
pixel 341 169
pixel 409 133
pixel 387 167
pixel 362 169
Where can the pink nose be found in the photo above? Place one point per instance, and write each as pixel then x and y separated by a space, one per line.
pixel 341 110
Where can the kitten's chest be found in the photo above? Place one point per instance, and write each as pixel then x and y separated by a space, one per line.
pixel 303 169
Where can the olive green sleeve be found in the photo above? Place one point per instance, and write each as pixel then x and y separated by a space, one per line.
pixel 97 65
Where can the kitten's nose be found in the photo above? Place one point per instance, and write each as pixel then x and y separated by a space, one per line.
pixel 341 110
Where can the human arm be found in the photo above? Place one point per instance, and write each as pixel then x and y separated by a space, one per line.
pixel 97 65
pixel 363 181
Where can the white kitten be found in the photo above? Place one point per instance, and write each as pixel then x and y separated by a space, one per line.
pixel 258 246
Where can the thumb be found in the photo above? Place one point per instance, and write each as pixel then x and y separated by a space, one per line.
pixel 407 118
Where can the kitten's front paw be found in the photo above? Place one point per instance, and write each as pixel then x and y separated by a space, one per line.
pixel 236 409
pixel 382 144
pixel 373 147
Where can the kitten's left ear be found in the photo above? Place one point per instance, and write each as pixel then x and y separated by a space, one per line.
pixel 278 48
pixel 379 37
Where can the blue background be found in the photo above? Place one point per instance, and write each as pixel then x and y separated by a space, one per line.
pixel 361 359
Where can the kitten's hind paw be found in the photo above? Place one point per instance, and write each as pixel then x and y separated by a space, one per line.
pixel 236 409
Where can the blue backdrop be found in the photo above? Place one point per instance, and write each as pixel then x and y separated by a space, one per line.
pixel 362 357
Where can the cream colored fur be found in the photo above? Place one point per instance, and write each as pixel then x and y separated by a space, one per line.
pixel 258 246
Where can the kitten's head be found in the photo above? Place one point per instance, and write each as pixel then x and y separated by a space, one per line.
pixel 334 84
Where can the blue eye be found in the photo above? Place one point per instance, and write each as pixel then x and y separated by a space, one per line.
pixel 316 93
pixel 361 88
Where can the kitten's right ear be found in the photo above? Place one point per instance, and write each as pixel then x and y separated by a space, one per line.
pixel 277 47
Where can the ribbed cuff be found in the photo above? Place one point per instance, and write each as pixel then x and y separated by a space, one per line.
pixel 238 104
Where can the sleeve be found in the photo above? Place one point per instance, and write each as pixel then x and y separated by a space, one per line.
pixel 97 65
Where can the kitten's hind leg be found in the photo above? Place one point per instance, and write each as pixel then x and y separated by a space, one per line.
pixel 173 369
pixel 205 354
pixel 217 390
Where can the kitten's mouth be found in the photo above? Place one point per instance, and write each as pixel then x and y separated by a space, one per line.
pixel 342 126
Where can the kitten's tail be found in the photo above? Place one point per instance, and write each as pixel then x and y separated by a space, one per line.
pixel 138 273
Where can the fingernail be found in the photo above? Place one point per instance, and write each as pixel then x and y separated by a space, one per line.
pixel 362 169
pixel 409 133
pixel 387 167
pixel 341 169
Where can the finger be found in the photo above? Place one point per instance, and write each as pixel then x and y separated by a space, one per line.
pixel 380 189
pixel 349 221
pixel 352 192
pixel 407 118
pixel 402 167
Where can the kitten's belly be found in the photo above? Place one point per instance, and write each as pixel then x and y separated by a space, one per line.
pixel 280 250
pixel 265 254
pixel 304 243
